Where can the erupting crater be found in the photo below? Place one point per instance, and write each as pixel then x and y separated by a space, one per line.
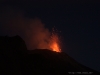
pixel 55 43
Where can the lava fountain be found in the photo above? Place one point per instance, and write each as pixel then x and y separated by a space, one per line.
pixel 55 42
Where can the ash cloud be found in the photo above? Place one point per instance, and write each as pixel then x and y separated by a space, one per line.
pixel 13 22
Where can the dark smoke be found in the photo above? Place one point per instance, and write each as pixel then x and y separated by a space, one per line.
pixel 13 22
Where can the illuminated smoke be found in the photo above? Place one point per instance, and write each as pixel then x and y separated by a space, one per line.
pixel 35 35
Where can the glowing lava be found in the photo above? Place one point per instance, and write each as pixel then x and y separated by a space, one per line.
pixel 54 45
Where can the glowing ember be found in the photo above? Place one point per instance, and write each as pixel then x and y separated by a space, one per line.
pixel 54 45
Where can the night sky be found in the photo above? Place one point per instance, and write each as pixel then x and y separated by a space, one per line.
pixel 78 22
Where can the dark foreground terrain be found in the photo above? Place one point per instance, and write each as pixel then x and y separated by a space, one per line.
pixel 15 59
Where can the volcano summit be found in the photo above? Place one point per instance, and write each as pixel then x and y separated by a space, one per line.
pixel 17 60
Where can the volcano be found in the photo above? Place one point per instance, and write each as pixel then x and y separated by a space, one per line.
pixel 17 60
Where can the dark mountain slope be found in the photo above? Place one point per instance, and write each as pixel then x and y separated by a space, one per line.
pixel 12 51
pixel 58 63
pixel 15 59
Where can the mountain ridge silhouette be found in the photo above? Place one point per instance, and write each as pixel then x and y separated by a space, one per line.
pixel 17 60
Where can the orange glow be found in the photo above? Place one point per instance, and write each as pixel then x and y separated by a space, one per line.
pixel 54 45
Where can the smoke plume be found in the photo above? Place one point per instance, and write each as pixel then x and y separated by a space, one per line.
pixel 13 22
